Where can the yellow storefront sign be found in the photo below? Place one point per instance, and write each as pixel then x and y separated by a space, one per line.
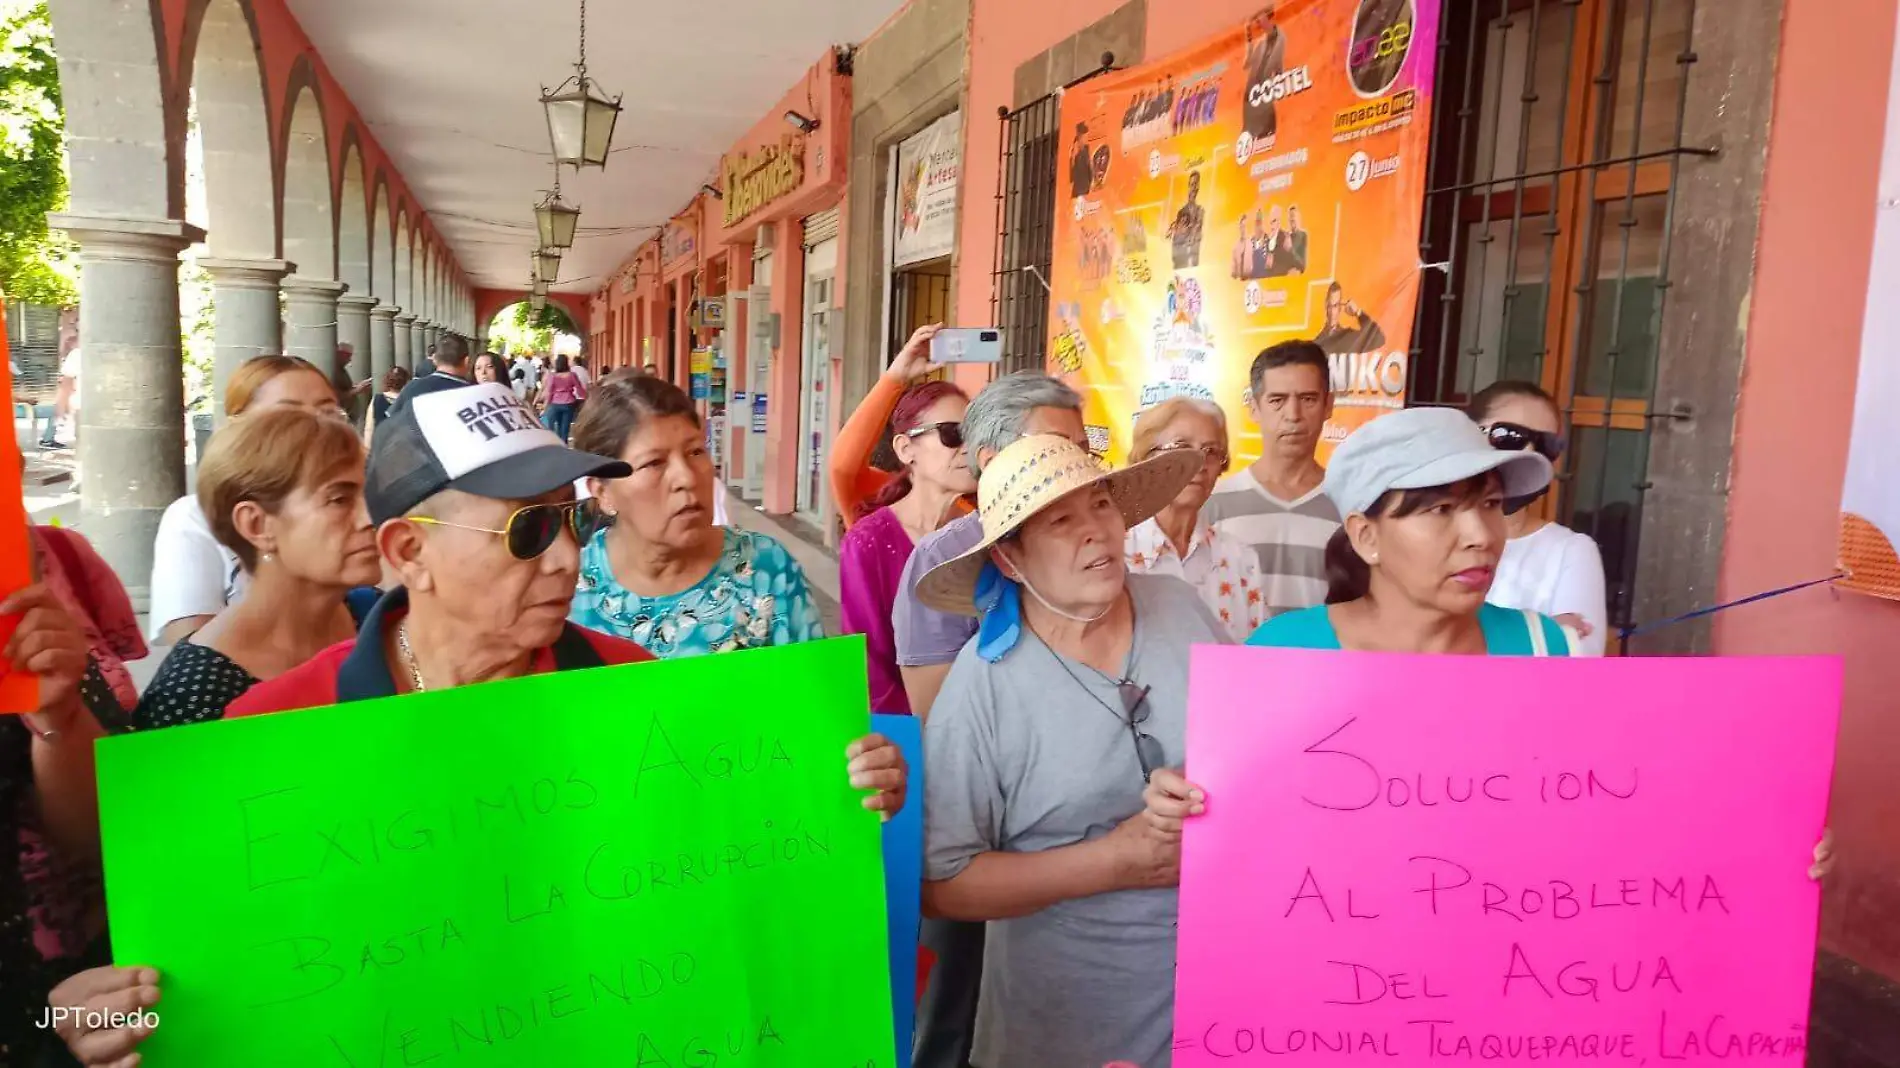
pixel 756 179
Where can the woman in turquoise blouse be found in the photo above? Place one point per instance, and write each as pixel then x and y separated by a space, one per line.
pixel 661 573
pixel 1423 495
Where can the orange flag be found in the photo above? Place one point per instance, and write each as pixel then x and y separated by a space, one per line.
pixel 19 691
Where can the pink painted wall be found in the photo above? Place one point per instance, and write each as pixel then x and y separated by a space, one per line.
pixel 1804 336
pixel 825 96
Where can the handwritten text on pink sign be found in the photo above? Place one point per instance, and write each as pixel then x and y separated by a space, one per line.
pixel 1408 860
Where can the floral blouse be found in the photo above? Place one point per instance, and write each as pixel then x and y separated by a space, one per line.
pixel 1224 571
pixel 754 596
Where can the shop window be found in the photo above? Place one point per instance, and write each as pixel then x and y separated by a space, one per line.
pixel 33 342
pixel 1556 146
pixel 920 295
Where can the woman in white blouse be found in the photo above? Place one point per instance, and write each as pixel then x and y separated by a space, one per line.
pixel 1176 541
pixel 1547 567
pixel 193 576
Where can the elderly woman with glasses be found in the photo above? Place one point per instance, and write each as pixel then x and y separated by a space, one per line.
pixel 1072 694
pixel 1179 541
pixel 659 572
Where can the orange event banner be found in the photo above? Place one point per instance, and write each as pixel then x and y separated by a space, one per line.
pixel 1264 186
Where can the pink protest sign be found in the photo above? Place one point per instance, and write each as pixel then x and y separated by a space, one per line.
pixel 1411 860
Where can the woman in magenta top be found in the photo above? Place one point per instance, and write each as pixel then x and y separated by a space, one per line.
pixel 561 393
pixel 927 436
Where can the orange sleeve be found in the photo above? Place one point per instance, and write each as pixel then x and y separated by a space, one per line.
pixel 853 479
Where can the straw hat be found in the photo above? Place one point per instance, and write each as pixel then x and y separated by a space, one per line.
pixel 1034 473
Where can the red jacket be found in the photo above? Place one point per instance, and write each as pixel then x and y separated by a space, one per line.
pixel 359 670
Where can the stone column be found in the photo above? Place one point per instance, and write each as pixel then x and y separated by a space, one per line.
pixel 132 385
pixel 310 321
pixel 382 341
pixel 247 319
pixel 352 329
pixel 405 336
pixel 424 338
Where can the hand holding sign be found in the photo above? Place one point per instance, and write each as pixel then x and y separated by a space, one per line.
pixel 19 690
pixel 46 645
pixel 100 1014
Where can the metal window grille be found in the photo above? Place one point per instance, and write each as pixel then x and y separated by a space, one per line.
pixel 1550 195
pixel 1025 225
pixel 33 342
pixel 1025 220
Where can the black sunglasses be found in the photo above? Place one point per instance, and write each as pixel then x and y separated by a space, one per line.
pixel 1147 747
pixel 1510 437
pixel 532 530
pixel 950 434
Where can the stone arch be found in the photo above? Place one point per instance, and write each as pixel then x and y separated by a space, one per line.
pixel 309 217
pixel 382 263
pixel 405 263
pixel 125 135
pixel 353 232
pixel 489 302
pixel 223 67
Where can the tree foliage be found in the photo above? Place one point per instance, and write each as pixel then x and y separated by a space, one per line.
pixel 35 264
pixel 522 330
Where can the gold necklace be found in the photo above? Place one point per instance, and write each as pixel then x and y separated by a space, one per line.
pixel 409 656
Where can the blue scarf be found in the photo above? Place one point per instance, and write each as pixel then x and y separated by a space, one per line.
pixel 1000 610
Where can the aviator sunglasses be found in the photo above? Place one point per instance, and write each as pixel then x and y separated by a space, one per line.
pixel 532 530
pixel 1510 437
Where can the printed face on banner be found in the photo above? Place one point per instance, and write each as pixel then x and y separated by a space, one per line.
pixel 1400 865
pixel 1263 187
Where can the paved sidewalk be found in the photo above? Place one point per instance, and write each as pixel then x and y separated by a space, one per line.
pixel 820 565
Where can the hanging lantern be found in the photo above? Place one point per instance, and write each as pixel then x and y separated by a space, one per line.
pixel 547 265
pixel 556 221
pixel 537 303
pixel 580 119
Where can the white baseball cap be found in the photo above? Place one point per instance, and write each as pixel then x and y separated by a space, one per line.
pixel 478 439
pixel 1422 448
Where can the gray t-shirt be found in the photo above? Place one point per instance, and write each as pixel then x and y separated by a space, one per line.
pixel 1032 753
pixel 925 636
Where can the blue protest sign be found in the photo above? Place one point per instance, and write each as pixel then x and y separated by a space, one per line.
pixel 903 879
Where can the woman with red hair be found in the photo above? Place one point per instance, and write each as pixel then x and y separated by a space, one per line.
pixel 926 434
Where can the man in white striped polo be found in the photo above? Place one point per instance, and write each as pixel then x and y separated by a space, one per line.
pixel 1275 505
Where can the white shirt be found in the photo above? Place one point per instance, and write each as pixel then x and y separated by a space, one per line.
pixel 192 575
pixel 69 368
pixel 1556 571
pixel 581 373
pixel 1220 567
pixel 530 377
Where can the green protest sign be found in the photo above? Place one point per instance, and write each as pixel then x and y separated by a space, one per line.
pixel 653 865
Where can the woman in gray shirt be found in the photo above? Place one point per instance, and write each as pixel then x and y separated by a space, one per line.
pixel 1038 749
